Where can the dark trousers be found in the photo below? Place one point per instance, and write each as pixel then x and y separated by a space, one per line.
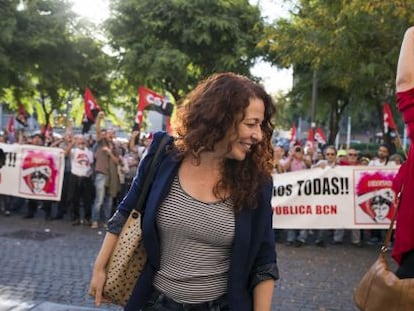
pixel 64 198
pixel 406 269
pixel 80 188
pixel 161 302
pixel 32 208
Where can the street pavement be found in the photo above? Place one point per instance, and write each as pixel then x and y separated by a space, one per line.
pixel 46 266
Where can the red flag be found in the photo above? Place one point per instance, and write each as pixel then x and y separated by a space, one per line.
pixel 311 139
pixel 148 99
pixel 10 125
pixel 91 106
pixel 22 115
pixel 320 136
pixel 293 135
pixel 47 132
pixel 91 111
pixel 389 123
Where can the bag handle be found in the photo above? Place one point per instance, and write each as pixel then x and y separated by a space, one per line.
pixel 150 175
pixel 386 243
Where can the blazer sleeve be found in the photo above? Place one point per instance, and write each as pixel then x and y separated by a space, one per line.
pixel 265 264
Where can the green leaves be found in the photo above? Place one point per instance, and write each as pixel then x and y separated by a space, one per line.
pixel 48 54
pixel 353 45
pixel 171 44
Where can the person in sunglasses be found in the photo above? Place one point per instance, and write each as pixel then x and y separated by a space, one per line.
pixel 329 160
pixel 329 154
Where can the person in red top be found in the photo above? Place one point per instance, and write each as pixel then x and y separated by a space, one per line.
pixel 403 250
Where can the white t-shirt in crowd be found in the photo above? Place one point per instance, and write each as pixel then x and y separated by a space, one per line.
pixel 81 162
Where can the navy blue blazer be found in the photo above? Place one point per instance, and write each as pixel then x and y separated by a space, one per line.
pixel 253 246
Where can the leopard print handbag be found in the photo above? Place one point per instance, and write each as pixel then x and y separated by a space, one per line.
pixel 126 263
pixel 129 256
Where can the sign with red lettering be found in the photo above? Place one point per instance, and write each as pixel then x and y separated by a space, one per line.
pixel 32 172
pixel 345 197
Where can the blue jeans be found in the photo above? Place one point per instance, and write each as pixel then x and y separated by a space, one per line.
pixel 100 182
pixel 161 302
pixel 292 235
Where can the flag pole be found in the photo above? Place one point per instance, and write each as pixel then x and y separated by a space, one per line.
pixel 390 123
pixel 405 138
pixel 348 134
pixel 400 143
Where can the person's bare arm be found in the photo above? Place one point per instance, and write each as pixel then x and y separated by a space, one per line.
pixel 405 68
pixel 131 144
pixel 99 117
pixel 262 295
pixel 99 269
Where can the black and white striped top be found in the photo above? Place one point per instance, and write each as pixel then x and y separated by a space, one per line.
pixel 196 239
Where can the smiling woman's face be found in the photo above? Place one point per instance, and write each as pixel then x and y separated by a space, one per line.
pixel 249 130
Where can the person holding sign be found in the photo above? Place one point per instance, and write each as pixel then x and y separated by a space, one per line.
pixel 403 250
pixel 296 162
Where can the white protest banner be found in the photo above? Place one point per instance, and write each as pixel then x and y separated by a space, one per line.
pixel 345 197
pixel 32 172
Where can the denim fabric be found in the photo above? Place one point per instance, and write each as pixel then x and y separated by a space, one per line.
pixel 292 235
pixel 116 223
pixel 355 235
pixel 100 181
pixel 161 302
pixel 266 272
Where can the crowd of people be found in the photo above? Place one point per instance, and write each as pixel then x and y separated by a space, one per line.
pixel 97 174
pixel 99 171
pixel 303 158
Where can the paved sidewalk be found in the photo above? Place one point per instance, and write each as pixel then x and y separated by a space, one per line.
pixel 42 306
pixel 46 266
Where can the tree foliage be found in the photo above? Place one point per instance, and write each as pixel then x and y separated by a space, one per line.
pixel 172 44
pixel 47 55
pixel 352 45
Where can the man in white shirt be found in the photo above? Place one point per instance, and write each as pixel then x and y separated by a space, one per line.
pixel 81 183
pixel 383 156
pixel 382 159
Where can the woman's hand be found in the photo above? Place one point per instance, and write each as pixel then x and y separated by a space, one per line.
pixel 99 271
pixel 96 286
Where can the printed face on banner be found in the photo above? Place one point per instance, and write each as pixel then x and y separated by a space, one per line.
pixel 38 173
pixel 374 197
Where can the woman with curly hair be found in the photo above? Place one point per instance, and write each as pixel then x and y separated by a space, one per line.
pixel 207 223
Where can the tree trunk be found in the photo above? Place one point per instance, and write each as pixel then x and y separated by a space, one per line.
pixel 337 108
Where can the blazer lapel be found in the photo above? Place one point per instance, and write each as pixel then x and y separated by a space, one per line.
pixel 159 190
pixel 240 249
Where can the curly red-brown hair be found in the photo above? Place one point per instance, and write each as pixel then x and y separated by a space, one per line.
pixel 211 111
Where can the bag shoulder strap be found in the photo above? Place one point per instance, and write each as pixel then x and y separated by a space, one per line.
pixel 151 172
pixel 386 243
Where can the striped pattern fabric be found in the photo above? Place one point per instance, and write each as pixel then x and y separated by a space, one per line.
pixel 196 239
